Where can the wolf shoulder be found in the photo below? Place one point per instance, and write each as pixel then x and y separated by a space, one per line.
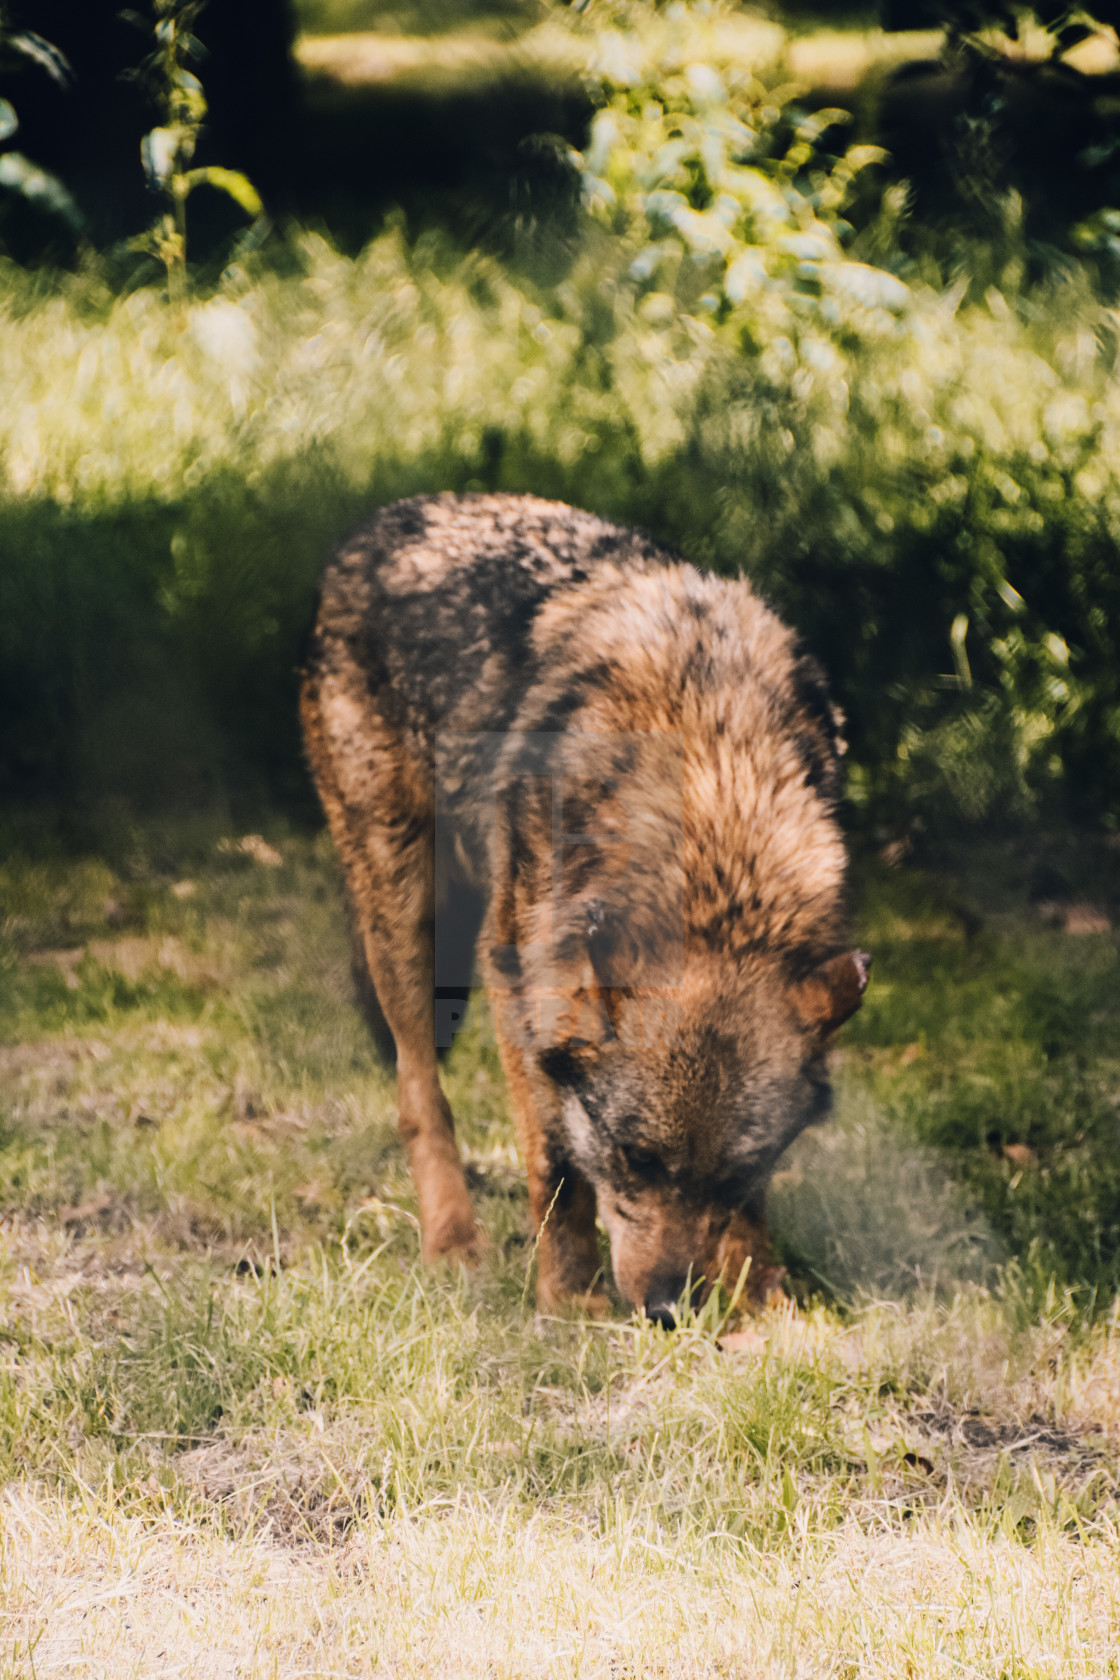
pixel 489 611
pixel 441 595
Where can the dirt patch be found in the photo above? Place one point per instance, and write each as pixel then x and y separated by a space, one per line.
pixel 1079 919
pixel 981 1451
pixel 303 1493
pixel 135 956
pixel 50 1056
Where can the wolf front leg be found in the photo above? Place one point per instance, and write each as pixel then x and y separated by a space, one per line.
pixel 561 1200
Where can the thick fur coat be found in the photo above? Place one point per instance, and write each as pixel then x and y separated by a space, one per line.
pixel 559 760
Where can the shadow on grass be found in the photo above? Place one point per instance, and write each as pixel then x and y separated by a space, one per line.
pixel 150 648
pixel 862 1210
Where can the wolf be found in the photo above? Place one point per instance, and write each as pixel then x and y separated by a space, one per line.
pixel 558 759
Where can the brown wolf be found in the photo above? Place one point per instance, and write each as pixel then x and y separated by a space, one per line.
pixel 524 720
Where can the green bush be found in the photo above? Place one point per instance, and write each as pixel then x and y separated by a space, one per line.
pixel 928 490
pixel 928 487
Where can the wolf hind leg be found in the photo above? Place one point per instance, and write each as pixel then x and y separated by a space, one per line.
pixel 366 992
pixel 379 813
pixel 398 955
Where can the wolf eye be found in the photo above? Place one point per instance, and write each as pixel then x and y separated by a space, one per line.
pixel 733 1192
pixel 643 1163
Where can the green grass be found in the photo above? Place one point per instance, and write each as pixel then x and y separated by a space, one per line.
pixel 221 1366
pixel 994 1045
pixel 180 1044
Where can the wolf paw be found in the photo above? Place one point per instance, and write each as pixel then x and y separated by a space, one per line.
pixel 592 1304
pixel 769 1289
pixel 588 1303
pixel 456 1241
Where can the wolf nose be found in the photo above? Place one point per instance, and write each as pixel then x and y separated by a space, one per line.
pixel 662 1299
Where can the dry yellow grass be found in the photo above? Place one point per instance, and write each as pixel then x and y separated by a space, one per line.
pixel 470 1589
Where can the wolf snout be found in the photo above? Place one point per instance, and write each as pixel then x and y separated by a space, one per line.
pixel 664 1295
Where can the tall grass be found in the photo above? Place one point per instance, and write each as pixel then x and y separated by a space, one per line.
pixel 934 506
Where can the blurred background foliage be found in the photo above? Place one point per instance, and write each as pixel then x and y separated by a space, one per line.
pixel 833 306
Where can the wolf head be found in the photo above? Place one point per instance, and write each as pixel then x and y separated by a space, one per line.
pixel 676 1107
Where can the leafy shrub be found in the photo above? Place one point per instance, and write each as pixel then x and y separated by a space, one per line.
pixel 726 206
pixel 928 490
pixel 89 133
pixel 19 176
pixel 168 149
pixel 928 487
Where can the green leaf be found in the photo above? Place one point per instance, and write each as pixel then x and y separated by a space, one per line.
pixel 812 127
pixel 20 175
pixel 958 636
pixel 231 181
pixel 45 54
pixel 9 122
pixel 160 152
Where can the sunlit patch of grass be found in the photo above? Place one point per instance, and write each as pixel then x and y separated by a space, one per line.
pixel 491 50
pixel 415 17
pixel 443 63
pixel 463 1588
pixel 343 1446
pixel 191 1045
pixel 416 1386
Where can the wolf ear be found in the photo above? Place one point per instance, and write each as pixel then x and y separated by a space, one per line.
pixel 834 991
